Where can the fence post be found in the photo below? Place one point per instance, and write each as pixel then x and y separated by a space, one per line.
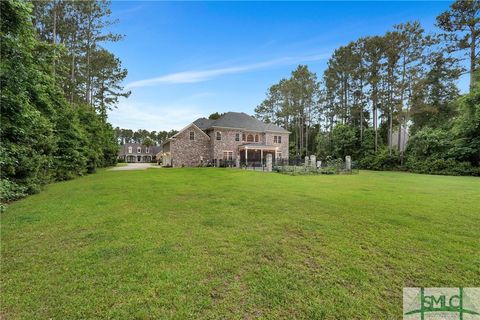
pixel 269 162
pixel 348 163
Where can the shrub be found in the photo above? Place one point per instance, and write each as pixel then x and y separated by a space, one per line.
pixel 442 167
pixel 382 160
pixel 10 191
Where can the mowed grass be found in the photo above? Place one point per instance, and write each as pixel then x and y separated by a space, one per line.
pixel 230 244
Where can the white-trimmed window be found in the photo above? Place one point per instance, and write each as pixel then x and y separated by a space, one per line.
pixel 279 155
pixel 237 136
pixel 139 149
pixel 130 149
pixel 243 136
pixel 147 150
pixel 192 135
pixel 219 135
pixel 256 138
pixel 228 155
pixel 277 139
pixel 250 138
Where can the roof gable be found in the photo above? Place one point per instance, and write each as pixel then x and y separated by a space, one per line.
pixel 189 126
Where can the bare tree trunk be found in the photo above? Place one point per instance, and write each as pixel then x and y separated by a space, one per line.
pixel 89 35
pixel 390 116
pixel 306 131
pixel 473 57
pixel 72 77
pixel 375 119
pixel 402 96
pixel 361 110
pixel 361 123
pixel 54 35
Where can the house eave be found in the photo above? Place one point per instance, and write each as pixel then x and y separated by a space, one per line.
pixel 247 130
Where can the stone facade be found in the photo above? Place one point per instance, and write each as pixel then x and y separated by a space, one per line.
pixel 136 152
pixel 282 147
pixel 185 152
pixel 227 142
pixel 207 149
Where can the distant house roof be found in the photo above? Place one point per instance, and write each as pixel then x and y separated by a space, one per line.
pixel 238 120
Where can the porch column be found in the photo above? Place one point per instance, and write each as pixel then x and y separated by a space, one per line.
pixel 246 156
pixel 261 156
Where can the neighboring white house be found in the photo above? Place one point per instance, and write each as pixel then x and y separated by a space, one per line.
pixel 404 136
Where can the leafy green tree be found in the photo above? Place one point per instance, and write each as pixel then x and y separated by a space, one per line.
pixel 344 141
pixel 323 145
pixel 26 134
pixel 215 116
pixel 373 56
pixel 461 25
pixel 69 158
pixel 292 103
pixel 434 95
pixel 148 142
pixel 467 126
pixel 77 30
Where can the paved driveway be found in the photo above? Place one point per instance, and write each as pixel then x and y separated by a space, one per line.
pixel 134 166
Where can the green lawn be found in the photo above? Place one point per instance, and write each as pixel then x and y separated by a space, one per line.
pixel 230 244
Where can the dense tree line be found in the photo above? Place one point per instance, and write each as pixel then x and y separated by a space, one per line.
pixel 56 84
pixel 146 137
pixel 377 86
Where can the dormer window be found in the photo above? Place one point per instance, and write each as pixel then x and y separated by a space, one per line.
pixel 219 135
pixel 130 150
pixel 192 135
pixel 139 149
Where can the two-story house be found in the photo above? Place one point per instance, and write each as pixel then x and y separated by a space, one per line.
pixel 136 152
pixel 235 137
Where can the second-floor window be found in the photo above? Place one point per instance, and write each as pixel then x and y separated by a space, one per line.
pixel 237 136
pixel 256 138
pixel 250 138
pixel 192 135
pixel 139 150
pixel 147 150
pixel 243 137
pixel 277 139
pixel 219 136
pixel 129 149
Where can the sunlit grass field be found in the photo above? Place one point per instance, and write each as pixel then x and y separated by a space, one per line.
pixel 231 244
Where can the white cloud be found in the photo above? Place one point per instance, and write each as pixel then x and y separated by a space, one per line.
pixel 204 75
pixel 140 116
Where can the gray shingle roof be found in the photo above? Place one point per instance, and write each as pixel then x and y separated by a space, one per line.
pixel 203 123
pixel 238 120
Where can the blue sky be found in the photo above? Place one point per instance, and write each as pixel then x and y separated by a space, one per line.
pixel 189 59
